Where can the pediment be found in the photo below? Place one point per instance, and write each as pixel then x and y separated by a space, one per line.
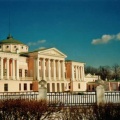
pixel 88 75
pixel 52 52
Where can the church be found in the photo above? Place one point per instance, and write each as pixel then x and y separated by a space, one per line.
pixel 21 70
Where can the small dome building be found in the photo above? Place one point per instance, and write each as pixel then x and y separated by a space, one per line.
pixel 12 45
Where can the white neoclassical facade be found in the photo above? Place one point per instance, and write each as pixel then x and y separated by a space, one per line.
pixel 21 70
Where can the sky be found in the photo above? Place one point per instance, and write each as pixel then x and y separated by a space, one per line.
pixel 85 30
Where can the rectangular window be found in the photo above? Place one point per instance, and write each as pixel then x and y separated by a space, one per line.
pixel 78 85
pixel 19 86
pixel 20 72
pixel 25 86
pixel 26 73
pixel 5 87
pixel 31 86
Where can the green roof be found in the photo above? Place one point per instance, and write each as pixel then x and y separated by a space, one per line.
pixel 10 40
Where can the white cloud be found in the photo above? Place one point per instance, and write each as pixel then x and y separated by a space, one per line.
pixel 118 36
pixel 42 48
pixel 105 39
pixel 41 41
pixel 36 43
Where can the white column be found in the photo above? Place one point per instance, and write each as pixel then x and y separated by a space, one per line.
pixel 80 73
pixel 63 70
pixel 7 68
pixel 83 73
pixel 1 68
pixel 72 72
pixel 54 70
pixel 23 73
pixel 43 68
pixel 49 70
pixel 58 69
pixel 13 69
pixel 17 69
pixel 76 71
pixel 38 72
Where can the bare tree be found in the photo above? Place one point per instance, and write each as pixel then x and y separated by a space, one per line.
pixel 91 70
pixel 116 71
pixel 105 72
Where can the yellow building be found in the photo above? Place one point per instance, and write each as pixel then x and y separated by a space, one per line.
pixel 21 70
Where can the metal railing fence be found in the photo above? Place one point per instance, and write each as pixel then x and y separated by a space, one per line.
pixel 71 99
pixel 18 95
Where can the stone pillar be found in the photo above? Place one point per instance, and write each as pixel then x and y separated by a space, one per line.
pixel 76 70
pixel 100 94
pixel 54 70
pixel 1 68
pixel 72 72
pixel 13 69
pixel 8 68
pixel 23 73
pixel 63 70
pixel 49 71
pixel 42 95
pixel 78 73
pixel 43 68
pixel 83 73
pixel 58 69
pixel 37 66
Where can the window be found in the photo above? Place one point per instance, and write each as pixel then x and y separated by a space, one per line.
pixel 78 85
pixel 0 46
pixel 20 72
pixel 25 86
pixel 14 46
pixel 26 73
pixel 31 86
pixel 6 87
pixel 88 87
pixel 19 86
pixel 7 46
pixel 22 47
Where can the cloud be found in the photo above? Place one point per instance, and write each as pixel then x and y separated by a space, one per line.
pixel 42 48
pixel 36 43
pixel 105 39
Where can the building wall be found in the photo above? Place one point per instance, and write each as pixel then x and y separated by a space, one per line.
pixel 49 64
pixel 15 86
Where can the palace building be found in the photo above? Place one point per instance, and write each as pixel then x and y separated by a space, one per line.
pixel 21 70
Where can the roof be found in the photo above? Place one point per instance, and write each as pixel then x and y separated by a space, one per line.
pixel 10 40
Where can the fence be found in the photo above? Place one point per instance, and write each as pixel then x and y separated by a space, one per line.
pixel 71 99
pixel 18 95
pixel 113 97
pixel 77 98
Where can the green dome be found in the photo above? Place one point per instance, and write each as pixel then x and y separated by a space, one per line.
pixel 10 40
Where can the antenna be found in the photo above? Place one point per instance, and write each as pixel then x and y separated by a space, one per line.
pixel 9 23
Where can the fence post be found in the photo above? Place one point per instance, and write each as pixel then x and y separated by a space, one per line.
pixel 42 93
pixel 100 94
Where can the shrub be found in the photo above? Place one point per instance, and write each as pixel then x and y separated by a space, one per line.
pixel 25 109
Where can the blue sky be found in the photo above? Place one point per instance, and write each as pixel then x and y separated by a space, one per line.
pixel 85 30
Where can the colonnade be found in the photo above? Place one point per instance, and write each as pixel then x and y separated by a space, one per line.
pixel 77 72
pixel 9 67
pixel 49 69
